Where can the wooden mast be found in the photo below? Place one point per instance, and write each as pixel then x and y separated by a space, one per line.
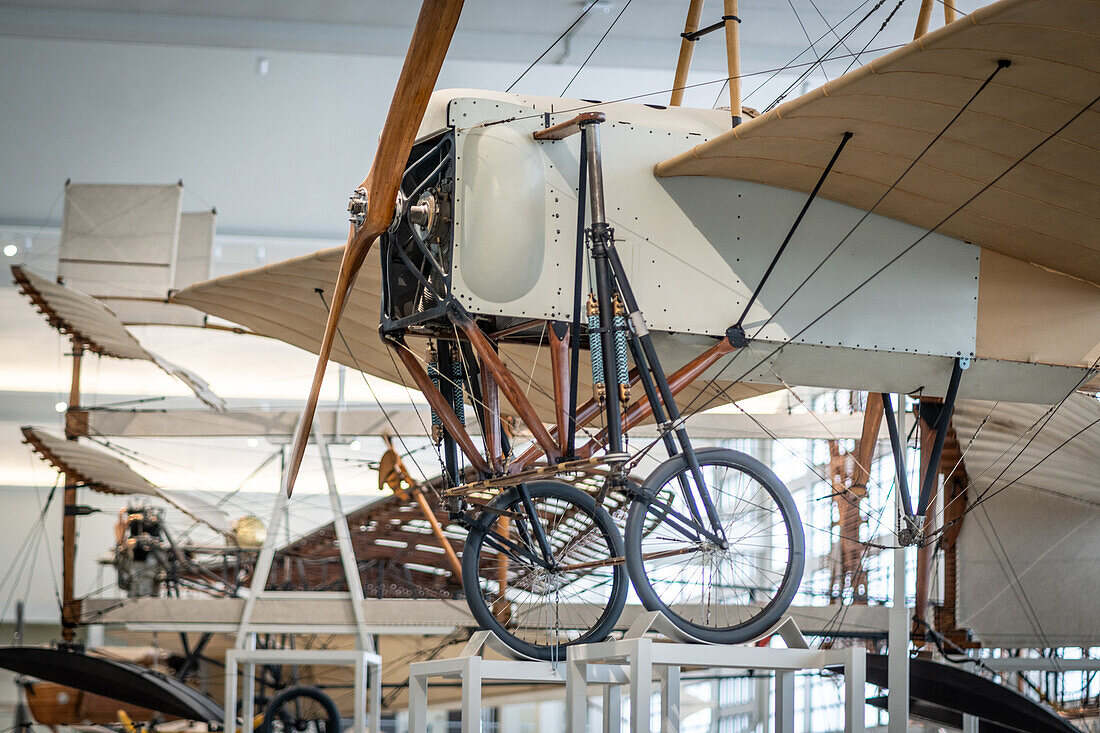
pixel 733 57
pixel 69 612
pixel 731 23
pixel 687 48
pixel 949 13
pixel 924 17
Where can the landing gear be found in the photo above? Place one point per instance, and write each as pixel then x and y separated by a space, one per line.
pixel 542 569
pixel 725 589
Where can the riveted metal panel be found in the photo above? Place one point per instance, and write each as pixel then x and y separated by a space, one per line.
pixel 695 247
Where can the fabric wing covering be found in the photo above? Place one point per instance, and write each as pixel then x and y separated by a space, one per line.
pixel 103 472
pixel 282 301
pixel 99 330
pixel 1029 550
pixel 1044 211
pixel 192 265
pixel 120 240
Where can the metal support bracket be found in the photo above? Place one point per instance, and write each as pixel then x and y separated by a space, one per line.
pixel 696 35
pixel 913 531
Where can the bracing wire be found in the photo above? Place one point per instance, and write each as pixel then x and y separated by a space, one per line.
pixel 832 48
pixel 373 394
pixel 881 28
pixel 595 48
pixel 791 63
pixel 806 33
pixel 581 17
pixel 901 254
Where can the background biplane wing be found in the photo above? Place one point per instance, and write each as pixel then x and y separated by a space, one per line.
pixel 103 472
pixel 98 329
pixel 1045 211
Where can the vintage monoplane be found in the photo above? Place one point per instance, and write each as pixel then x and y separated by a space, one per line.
pixel 924 224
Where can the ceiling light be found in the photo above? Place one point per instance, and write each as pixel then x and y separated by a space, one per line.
pixel 61 406
pixel 252 442
pixel 11 250
pixel 355 445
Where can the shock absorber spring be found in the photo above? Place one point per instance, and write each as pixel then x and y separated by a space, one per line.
pixel 433 374
pixel 458 375
pixel 595 348
pixel 622 370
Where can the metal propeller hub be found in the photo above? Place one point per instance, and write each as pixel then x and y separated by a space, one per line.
pixel 431 214
pixel 357 207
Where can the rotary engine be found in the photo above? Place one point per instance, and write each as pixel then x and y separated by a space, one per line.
pixel 142 551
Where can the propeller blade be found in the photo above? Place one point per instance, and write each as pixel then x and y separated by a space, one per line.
pixel 431 38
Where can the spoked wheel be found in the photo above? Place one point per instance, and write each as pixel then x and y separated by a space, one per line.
pixel 301 710
pixel 535 609
pixel 715 594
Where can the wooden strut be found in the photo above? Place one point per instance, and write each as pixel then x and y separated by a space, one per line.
pixel 687 49
pixel 924 17
pixel 586 413
pixel 490 406
pixel 733 58
pixel 442 407
pixel 393 480
pixel 437 530
pixel 559 365
pixel 502 609
pixel 70 608
pixel 490 361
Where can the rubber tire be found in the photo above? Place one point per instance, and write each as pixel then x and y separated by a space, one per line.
pixel 314 693
pixel 796 538
pixel 472 550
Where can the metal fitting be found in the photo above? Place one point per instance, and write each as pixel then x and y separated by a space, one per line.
pixel 357 207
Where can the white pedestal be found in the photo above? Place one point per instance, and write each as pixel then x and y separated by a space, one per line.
pixel 367 665
pixel 643 657
pixel 472 669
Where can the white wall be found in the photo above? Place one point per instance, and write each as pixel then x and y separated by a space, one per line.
pixel 277 154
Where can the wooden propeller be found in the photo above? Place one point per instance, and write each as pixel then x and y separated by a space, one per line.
pixel 431 38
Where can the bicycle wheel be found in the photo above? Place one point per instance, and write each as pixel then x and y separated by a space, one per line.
pixel 301 710
pixel 721 596
pixel 539 610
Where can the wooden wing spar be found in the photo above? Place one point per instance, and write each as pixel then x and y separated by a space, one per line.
pixel 1045 211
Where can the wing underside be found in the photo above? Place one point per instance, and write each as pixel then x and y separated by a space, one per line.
pixel 1045 210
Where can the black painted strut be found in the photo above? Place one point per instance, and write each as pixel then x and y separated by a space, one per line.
pixel 794 227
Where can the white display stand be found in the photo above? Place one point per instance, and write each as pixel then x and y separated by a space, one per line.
pixel 367 667
pixel 367 664
pixel 642 655
pixel 472 668
pixel 636 661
